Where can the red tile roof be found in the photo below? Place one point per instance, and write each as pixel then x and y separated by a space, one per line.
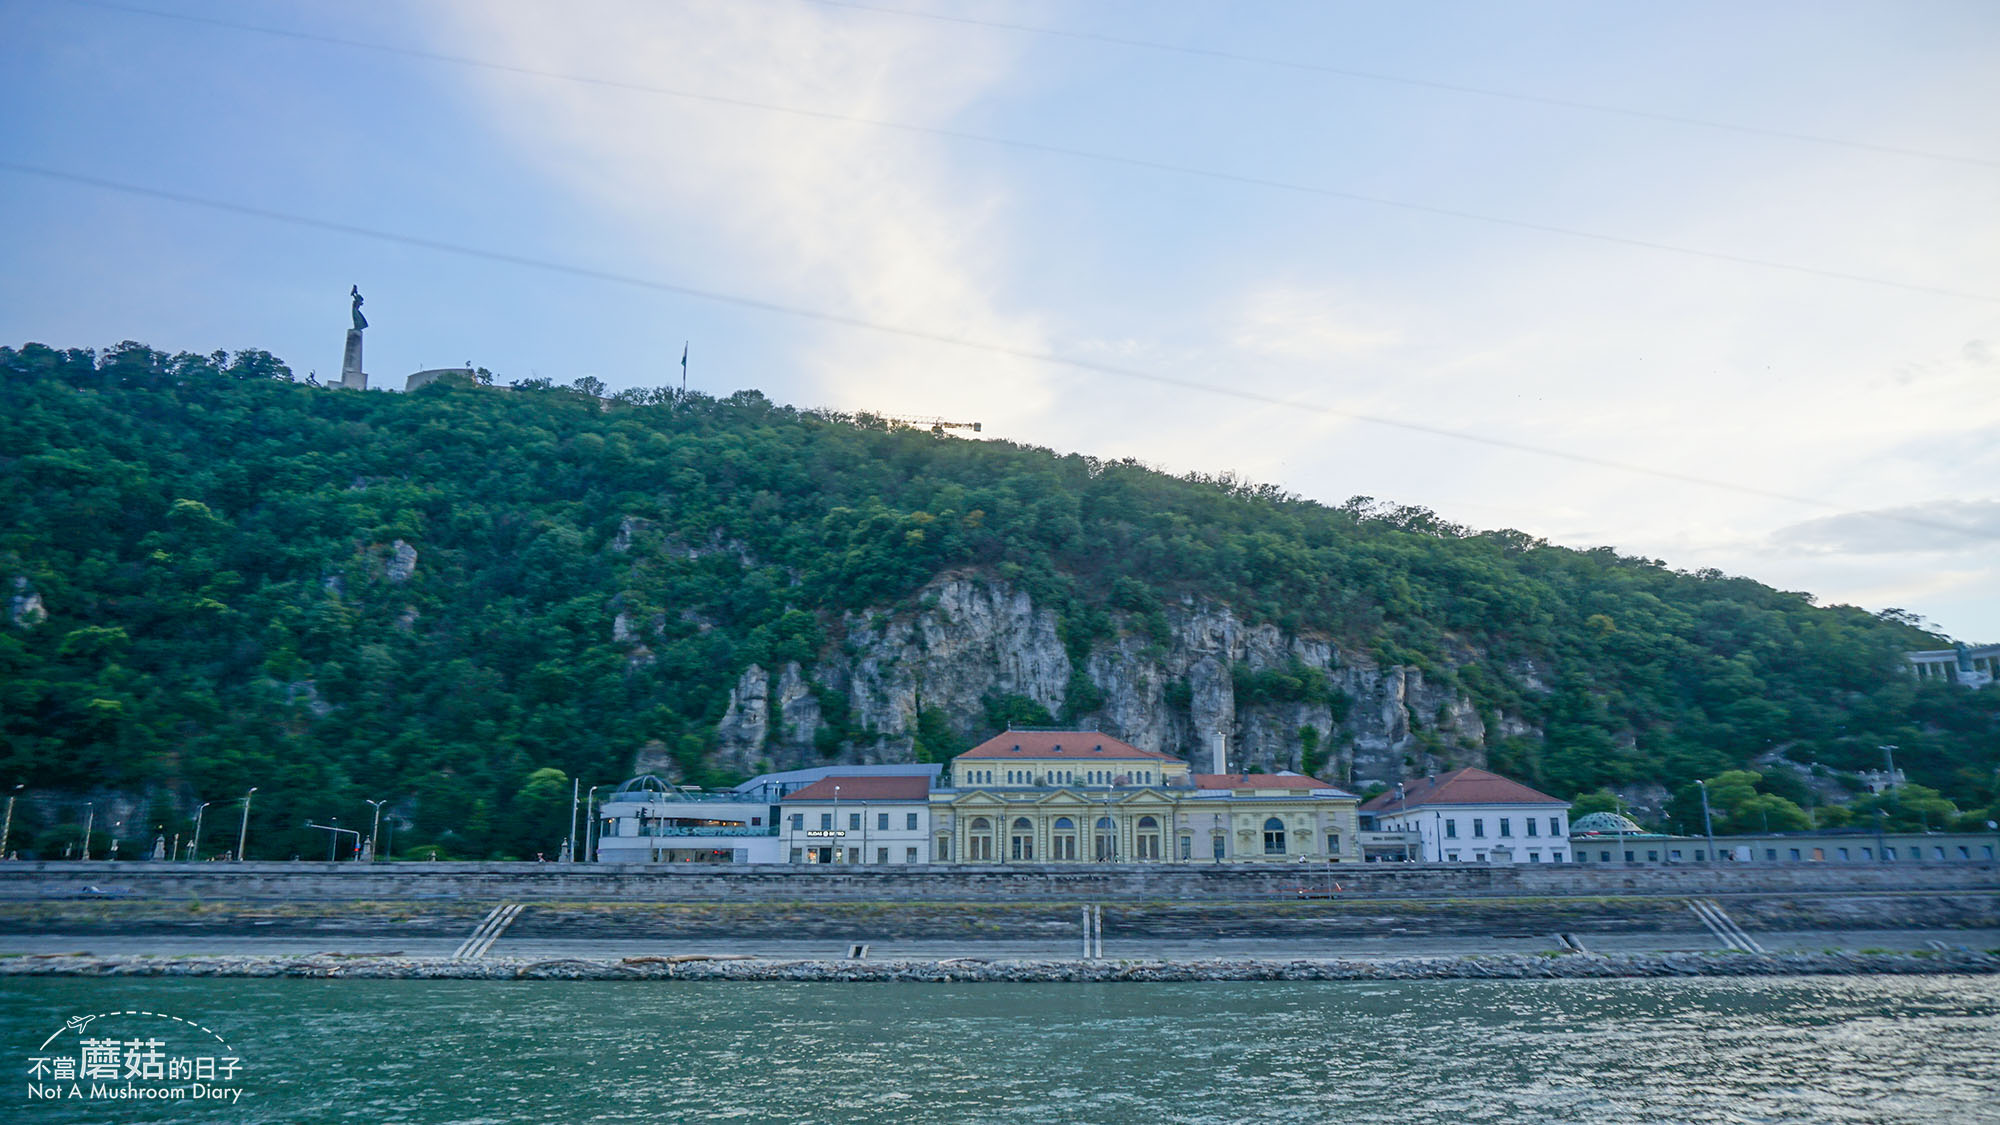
pixel 1259 781
pixel 865 789
pixel 1080 745
pixel 1461 787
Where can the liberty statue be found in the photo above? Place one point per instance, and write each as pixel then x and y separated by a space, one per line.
pixel 360 321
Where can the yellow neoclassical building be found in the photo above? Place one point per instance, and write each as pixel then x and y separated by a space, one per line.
pixel 1042 796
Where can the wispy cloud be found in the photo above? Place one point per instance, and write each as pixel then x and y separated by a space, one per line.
pixel 1933 526
pixel 848 219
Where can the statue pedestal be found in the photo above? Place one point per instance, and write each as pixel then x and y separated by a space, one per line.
pixel 351 375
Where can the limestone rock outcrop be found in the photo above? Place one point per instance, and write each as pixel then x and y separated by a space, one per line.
pixel 973 638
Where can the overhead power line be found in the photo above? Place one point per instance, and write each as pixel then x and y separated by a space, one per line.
pixel 1407 80
pixel 1060 150
pixel 990 347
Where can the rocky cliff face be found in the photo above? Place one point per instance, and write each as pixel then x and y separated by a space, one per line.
pixel 972 638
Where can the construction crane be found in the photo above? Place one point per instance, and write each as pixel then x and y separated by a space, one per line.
pixel 935 425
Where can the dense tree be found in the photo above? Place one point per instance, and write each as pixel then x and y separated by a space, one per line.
pixel 239 579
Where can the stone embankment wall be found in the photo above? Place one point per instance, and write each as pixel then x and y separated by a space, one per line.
pixel 974 970
pixel 970 923
pixel 1069 883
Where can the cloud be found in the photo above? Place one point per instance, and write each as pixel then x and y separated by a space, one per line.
pixel 1932 526
pixel 1315 325
pixel 861 222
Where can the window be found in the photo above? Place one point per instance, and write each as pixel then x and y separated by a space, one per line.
pixel 1333 843
pixel 1888 855
pixel 909 855
pixel 1916 853
pixel 1062 839
pixel 882 821
pixel 1937 854
pixel 910 822
pixel 1868 854
pixel 1843 855
pixel 1674 854
pixel 1534 857
pixel 1187 847
pixel 854 821
pixel 1218 842
pixel 1964 852
pixel 1582 857
pixel 943 852
pixel 854 855
pixel 1451 829
pixel 1555 826
pixel 1628 857
pixel 1147 839
pixel 826 820
pixel 1478 828
pixel 881 855
pixel 756 821
pixel 1604 857
pixel 979 842
pixel 1506 826
pixel 1988 849
pixel 1530 822
pixel 798 821
pixel 1274 836
pixel 1795 854
pixel 1701 855
pixel 1105 840
pixel 1652 856
pixel 798 854
pixel 1021 839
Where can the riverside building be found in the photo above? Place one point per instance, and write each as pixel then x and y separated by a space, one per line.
pixel 1474 816
pixel 1057 797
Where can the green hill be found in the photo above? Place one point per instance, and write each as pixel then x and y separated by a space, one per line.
pixel 219 577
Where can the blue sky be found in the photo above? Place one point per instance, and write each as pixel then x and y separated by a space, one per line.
pixel 1161 241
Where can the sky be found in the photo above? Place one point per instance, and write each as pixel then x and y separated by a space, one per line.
pixel 1712 283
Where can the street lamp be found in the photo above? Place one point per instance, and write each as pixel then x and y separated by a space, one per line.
pixel 89 822
pixel 7 830
pixel 840 849
pixel 569 844
pixel 243 832
pixel 590 822
pixel 1707 826
pixel 375 832
pixel 194 850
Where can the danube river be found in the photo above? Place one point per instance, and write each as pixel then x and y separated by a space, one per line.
pixel 1805 1049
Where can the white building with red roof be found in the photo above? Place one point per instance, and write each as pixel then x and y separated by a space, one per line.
pixel 858 820
pixel 1475 816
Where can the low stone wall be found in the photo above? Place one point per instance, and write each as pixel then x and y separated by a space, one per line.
pixel 1038 971
pixel 975 922
pixel 956 883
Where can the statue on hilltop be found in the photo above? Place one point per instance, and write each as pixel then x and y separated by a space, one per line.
pixel 360 321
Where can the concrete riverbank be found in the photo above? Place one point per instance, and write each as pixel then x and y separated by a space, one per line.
pixel 1018 971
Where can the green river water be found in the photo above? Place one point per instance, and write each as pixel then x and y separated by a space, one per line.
pixel 1816 1050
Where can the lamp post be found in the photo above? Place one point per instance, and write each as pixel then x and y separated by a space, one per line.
pixel 7 831
pixel 194 848
pixel 1889 782
pixel 1707 826
pixel 89 822
pixel 590 823
pixel 243 831
pixel 1881 847
pixel 840 847
pixel 575 799
pixel 375 832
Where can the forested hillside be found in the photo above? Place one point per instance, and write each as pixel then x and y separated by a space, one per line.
pixel 459 599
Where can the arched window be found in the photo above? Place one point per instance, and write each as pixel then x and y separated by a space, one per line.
pixel 979 842
pixel 1105 840
pixel 1062 840
pixel 1146 842
pixel 1274 836
pixel 1021 840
